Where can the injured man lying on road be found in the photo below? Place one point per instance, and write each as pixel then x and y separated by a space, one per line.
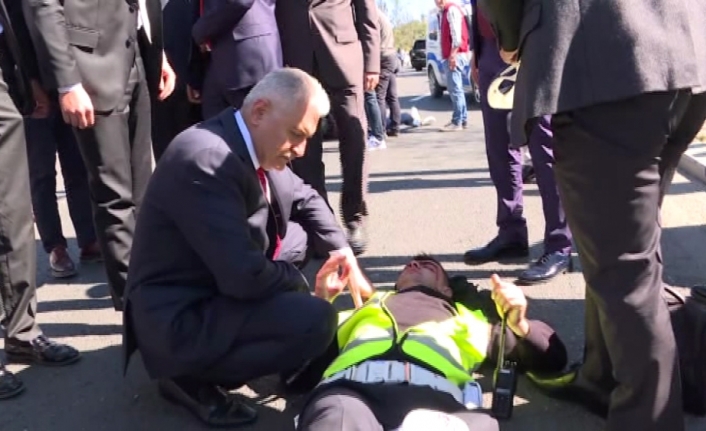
pixel 405 359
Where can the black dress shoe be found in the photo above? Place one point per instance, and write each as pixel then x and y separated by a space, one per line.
pixel 41 351
pixel 208 403
pixel 10 385
pixel 357 237
pixel 573 387
pixel 495 250
pixel 546 267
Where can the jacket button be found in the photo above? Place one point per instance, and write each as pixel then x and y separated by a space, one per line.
pixel 131 9
pixel 128 43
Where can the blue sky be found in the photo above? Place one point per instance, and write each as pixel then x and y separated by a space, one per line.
pixel 416 8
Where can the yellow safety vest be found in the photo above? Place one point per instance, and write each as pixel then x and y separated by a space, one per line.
pixel 455 347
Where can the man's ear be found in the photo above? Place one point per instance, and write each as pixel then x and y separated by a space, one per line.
pixel 259 109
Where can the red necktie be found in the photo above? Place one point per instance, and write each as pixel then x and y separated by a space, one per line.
pixel 263 182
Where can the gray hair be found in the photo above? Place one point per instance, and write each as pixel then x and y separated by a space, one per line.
pixel 292 87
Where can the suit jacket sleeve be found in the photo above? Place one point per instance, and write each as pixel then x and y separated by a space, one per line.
pixel 220 16
pixel 48 17
pixel 506 18
pixel 24 40
pixel 311 211
pixel 369 33
pixel 213 219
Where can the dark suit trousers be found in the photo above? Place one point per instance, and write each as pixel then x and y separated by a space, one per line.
pixel 117 154
pixel 505 166
pixel 348 109
pixel 18 300
pixel 279 334
pixel 613 212
pixel 387 92
pixel 170 117
pixel 215 99
pixel 47 137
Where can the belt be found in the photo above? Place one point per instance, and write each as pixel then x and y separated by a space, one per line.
pixel 391 372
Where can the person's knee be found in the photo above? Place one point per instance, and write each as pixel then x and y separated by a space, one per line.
pixel 322 322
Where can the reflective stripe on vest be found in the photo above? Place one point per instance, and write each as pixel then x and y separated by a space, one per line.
pixel 455 347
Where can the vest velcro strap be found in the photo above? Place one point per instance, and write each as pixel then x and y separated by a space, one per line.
pixel 395 372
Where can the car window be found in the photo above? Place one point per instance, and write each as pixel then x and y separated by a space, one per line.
pixel 420 44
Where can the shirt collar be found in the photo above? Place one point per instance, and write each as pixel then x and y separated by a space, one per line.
pixel 247 138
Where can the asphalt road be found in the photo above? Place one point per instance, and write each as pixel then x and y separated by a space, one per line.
pixel 429 192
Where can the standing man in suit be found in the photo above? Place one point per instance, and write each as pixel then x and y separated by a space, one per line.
pixel 244 46
pixel 505 166
pixel 337 41
pixel 620 81
pixel 107 57
pixel 24 341
pixel 215 296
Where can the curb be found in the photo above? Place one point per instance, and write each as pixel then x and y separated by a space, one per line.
pixel 693 162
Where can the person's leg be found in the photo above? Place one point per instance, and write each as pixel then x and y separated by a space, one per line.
pixel 338 409
pixel 613 214
pixel 393 103
pixel 454 85
pixel 73 170
pixel 372 114
pixel 381 90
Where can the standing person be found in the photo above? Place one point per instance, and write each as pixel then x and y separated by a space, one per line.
pixel 338 43
pixel 24 341
pixel 621 80
pixel 106 57
pixel 455 47
pixel 505 166
pixel 243 46
pixel 387 87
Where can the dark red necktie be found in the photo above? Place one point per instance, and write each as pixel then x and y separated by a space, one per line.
pixel 263 183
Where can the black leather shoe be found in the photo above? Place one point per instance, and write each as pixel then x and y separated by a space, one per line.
pixel 40 351
pixel 573 387
pixel 10 385
pixel 546 267
pixel 208 403
pixel 495 250
pixel 357 237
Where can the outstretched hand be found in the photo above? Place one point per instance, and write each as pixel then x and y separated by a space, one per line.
pixel 510 301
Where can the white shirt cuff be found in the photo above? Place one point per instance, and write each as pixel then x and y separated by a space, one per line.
pixel 63 90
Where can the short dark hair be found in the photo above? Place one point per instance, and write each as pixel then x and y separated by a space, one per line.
pixel 429 258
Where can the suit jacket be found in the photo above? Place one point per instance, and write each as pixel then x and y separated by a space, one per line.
pixel 21 66
pixel 579 53
pixel 337 39
pixel 94 42
pixel 245 43
pixel 202 234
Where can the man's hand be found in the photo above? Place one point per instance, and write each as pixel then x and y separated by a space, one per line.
pixel 194 96
pixel 452 62
pixel 475 75
pixel 511 302
pixel 332 278
pixel 42 104
pixel 509 57
pixel 371 81
pixel 77 108
pixel 168 79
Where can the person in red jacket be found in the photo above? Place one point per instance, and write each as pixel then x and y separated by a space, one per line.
pixel 455 48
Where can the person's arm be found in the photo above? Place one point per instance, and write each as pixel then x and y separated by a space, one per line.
pixel 506 18
pixel 456 20
pixel 220 16
pixel 214 222
pixel 541 350
pixel 368 33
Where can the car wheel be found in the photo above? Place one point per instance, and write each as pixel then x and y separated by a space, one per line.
pixel 435 89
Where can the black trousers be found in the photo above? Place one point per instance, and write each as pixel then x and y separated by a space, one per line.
pixel 170 117
pixel 613 164
pixel 348 109
pixel 357 407
pixel 118 159
pixel 47 137
pixel 386 91
pixel 18 300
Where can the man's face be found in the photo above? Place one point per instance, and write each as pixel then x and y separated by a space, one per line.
pixel 424 272
pixel 440 3
pixel 280 131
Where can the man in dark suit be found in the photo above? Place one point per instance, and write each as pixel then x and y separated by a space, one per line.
pixel 337 41
pixel 24 341
pixel 215 297
pixel 106 58
pixel 244 46
pixel 625 83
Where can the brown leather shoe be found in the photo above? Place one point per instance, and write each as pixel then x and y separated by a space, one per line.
pixel 91 253
pixel 40 351
pixel 60 263
pixel 10 385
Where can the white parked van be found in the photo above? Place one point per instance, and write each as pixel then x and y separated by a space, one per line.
pixel 436 74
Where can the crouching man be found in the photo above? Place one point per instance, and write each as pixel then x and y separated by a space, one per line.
pixel 405 360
